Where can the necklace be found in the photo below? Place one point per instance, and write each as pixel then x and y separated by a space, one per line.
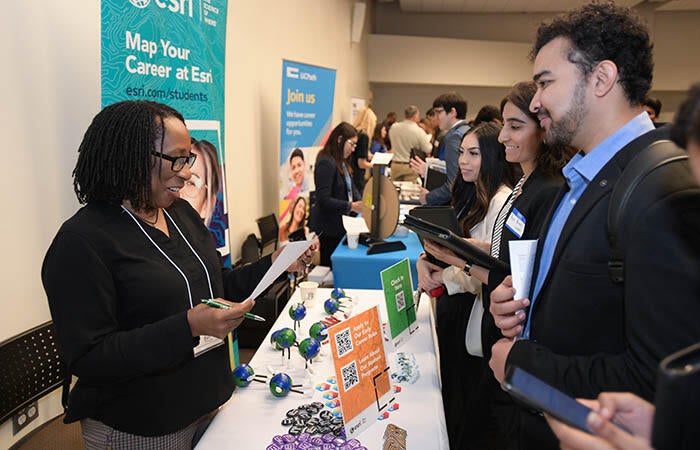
pixel 152 223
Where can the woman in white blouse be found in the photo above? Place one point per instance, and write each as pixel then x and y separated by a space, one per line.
pixel 477 195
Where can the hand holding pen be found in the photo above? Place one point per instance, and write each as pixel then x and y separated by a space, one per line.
pixel 216 304
pixel 217 321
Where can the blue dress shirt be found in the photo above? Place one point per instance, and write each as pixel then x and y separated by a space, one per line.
pixel 579 172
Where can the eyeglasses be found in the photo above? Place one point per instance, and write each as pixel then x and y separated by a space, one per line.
pixel 438 110
pixel 353 144
pixel 177 162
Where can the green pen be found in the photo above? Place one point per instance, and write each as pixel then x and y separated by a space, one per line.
pixel 214 304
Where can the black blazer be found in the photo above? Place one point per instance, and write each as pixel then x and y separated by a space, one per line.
pixel 534 202
pixel 361 151
pixel 331 198
pixel 590 335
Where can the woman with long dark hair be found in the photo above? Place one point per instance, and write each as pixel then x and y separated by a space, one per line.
pixel 336 193
pixel 477 195
pixel 521 218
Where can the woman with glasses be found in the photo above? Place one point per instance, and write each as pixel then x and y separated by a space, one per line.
pixel 125 278
pixel 336 193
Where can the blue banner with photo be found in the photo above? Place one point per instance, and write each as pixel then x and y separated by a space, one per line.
pixel 307 111
pixel 173 52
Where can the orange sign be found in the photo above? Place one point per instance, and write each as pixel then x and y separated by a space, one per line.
pixel 361 369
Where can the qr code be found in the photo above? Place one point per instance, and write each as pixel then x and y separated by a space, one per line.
pixel 400 301
pixel 349 376
pixel 343 342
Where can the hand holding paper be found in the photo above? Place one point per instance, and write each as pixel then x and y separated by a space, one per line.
pixel 289 254
pixel 522 260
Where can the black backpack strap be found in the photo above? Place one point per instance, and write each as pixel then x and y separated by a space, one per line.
pixel 625 206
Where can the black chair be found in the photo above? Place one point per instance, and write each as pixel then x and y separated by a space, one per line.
pixel 269 233
pixel 269 305
pixel 32 368
pixel 250 249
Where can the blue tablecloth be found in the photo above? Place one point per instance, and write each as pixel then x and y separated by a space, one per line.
pixel 355 269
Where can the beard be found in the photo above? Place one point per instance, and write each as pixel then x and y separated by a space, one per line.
pixel 563 131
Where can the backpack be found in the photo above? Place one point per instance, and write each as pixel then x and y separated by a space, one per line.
pixel 638 188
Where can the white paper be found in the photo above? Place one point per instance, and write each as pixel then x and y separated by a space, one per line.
pixel 382 158
pixel 287 256
pixel 355 225
pixel 522 260
pixel 436 164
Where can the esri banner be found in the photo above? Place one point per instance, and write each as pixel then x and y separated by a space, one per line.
pixel 172 52
pixel 307 109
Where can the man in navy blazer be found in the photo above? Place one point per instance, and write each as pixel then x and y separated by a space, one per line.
pixel 580 331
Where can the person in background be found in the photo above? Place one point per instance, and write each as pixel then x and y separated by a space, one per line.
pixel 204 185
pixel 124 279
pixel 297 219
pixel 431 123
pixel 425 126
pixel 438 134
pixel 406 138
pixel 336 194
pixel 378 145
pixel 586 332
pixel 633 412
pixel 451 110
pixel 489 113
pixel 478 194
pixel 364 123
pixel 653 107
pixel 387 123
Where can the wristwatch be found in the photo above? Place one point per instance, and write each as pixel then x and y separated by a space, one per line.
pixel 468 268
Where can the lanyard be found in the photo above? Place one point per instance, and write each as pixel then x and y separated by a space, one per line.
pixel 348 182
pixel 187 282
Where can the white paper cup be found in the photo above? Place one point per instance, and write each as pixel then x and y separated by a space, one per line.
pixel 353 240
pixel 308 293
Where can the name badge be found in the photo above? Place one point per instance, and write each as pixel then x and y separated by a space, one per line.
pixel 206 343
pixel 516 223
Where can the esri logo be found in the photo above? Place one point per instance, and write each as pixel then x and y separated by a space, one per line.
pixel 183 7
pixel 140 3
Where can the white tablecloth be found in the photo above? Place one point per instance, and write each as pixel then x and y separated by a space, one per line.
pixel 252 416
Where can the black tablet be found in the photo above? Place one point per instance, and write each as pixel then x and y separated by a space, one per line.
pixel 442 216
pixel 448 239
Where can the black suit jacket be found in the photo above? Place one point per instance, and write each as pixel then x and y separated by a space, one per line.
pixel 331 198
pixel 534 202
pixel 590 335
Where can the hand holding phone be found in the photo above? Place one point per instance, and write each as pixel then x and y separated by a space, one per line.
pixel 543 397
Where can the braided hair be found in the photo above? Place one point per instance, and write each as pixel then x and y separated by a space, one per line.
pixel 114 160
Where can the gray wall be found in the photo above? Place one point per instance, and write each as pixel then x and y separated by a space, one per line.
pixel 395 97
pixel 675 35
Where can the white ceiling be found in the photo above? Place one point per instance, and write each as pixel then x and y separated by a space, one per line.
pixel 528 6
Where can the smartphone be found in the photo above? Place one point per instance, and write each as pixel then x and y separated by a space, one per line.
pixel 417 154
pixel 543 397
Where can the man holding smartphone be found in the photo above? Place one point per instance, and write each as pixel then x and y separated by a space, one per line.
pixel 583 332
